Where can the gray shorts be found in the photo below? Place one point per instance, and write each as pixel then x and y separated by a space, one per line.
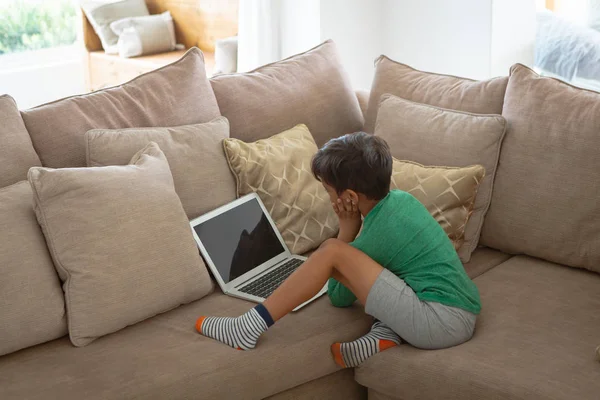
pixel 423 324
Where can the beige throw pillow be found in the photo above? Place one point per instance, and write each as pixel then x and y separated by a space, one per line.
pixel 310 88
pixel 432 136
pixel 452 92
pixel 448 193
pixel 120 241
pixel 278 170
pixel 32 307
pixel 195 154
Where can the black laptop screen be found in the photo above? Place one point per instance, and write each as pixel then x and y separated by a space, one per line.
pixel 239 240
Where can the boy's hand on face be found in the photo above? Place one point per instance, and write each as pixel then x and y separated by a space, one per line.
pixel 350 220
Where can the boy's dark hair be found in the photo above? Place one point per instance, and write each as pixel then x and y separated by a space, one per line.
pixel 357 161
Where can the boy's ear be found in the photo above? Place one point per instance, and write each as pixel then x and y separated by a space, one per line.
pixel 350 194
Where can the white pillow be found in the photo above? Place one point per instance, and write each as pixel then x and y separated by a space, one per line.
pixel 145 35
pixel 226 51
pixel 101 13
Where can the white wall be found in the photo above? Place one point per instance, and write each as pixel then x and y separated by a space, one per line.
pixel 300 26
pixel 356 27
pixel 450 37
pixel 513 34
pixel 471 38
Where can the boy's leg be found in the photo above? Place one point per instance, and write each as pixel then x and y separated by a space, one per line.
pixel 351 354
pixel 425 325
pixel 356 270
pixel 334 258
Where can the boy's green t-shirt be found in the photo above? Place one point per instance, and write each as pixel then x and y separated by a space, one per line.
pixel 401 236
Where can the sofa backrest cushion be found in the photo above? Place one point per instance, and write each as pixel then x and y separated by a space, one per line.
pixel 435 136
pixel 310 88
pixel 445 91
pixel 195 153
pixel 546 199
pixel 120 241
pixel 16 151
pixel 32 308
pixel 177 94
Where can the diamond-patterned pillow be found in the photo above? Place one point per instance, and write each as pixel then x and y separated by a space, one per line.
pixel 278 170
pixel 447 192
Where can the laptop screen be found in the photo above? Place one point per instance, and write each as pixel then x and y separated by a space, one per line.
pixel 239 240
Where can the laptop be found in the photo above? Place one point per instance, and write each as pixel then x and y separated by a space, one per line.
pixel 245 251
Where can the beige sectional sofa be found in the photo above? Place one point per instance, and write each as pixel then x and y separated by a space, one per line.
pixel 537 264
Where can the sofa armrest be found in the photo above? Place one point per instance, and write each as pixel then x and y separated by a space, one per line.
pixel 363 100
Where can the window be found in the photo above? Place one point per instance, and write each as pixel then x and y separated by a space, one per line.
pixel 568 41
pixel 40 56
pixel 577 11
pixel 36 24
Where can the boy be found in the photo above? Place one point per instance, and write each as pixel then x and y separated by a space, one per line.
pixel 402 267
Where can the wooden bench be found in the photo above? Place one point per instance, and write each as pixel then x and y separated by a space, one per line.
pixel 197 23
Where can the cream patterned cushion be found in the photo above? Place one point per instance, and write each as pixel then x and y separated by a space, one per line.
pixel 278 170
pixel 448 193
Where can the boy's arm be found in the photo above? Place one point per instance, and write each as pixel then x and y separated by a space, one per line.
pixel 339 295
pixel 350 220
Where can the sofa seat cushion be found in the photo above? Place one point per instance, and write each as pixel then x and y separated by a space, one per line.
pixel 164 357
pixel 535 339
pixel 340 385
pixel 484 259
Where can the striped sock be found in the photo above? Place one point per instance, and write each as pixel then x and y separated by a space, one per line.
pixel 240 333
pixel 351 354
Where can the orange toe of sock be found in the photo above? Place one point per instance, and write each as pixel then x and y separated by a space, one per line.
pixel 386 344
pixel 337 354
pixel 199 324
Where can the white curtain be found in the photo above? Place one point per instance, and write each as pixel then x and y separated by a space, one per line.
pixel 594 14
pixel 259 34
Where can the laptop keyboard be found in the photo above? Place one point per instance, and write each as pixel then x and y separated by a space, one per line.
pixel 266 284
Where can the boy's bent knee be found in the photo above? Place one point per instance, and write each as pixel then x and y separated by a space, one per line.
pixel 336 250
pixel 333 244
